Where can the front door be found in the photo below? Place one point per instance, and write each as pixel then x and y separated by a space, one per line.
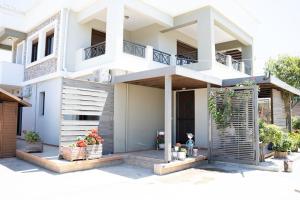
pixel 185 115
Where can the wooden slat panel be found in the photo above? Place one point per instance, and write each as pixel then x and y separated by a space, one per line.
pixel 80 122
pixel 78 112
pixel 85 93
pixel 77 128
pixel 81 107
pixel 80 102
pixel 81 97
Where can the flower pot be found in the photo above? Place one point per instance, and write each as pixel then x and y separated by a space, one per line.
pixel 94 151
pixel 181 155
pixel 261 152
pixel 288 165
pixel 74 153
pixel 279 154
pixel 33 147
pixel 161 146
pixel 175 155
pixel 195 152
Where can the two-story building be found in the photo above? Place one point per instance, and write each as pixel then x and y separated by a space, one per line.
pixel 140 69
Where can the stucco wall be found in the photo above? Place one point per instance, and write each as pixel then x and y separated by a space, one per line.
pixel 279 113
pixel 48 125
pixel 138 114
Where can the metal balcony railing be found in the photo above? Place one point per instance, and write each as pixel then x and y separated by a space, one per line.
pixel 221 58
pixel 94 50
pixel 161 57
pixel 184 60
pixel 134 49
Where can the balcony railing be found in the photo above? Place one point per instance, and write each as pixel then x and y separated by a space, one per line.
pixel 221 58
pixel 184 60
pixel 94 51
pixel 134 49
pixel 161 57
pixel 236 64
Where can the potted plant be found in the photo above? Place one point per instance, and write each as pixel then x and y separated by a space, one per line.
pixel 268 133
pixel 94 145
pixel 160 140
pixel 295 137
pixel 33 142
pixel 182 154
pixel 281 149
pixel 75 151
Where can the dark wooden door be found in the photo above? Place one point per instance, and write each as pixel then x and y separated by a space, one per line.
pixel 97 37
pixel 185 115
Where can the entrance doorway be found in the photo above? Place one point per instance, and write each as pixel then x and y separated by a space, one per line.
pixel 185 115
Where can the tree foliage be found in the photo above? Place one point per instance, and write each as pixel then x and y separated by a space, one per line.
pixel 286 68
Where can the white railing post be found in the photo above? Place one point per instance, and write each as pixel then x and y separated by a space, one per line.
pixel 242 67
pixel 149 54
pixel 173 60
pixel 229 61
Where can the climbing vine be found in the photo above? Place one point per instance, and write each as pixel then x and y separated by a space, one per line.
pixel 220 106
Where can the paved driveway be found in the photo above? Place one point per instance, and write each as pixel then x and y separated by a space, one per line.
pixel 22 181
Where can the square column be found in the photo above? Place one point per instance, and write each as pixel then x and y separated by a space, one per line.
pixel 168 118
pixel 206 39
pixel 114 28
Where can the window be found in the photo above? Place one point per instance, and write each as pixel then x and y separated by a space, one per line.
pixel 42 103
pixel 49 43
pixel 34 50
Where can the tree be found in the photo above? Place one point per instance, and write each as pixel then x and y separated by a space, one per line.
pixel 286 68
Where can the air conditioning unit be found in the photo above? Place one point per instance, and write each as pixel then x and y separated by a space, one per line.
pixel 27 91
pixel 104 76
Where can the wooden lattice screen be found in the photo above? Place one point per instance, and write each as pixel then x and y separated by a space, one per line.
pixel 86 105
pixel 238 142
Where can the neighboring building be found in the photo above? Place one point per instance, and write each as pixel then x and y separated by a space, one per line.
pixel 127 48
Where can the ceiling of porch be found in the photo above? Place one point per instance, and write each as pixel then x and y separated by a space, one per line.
pixel 178 82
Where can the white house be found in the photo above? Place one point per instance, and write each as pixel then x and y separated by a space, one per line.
pixel 153 70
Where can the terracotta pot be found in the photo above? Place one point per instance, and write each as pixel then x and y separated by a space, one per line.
pixel 288 165
pixel 279 154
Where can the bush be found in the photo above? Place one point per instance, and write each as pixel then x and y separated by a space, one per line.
pixel 270 133
pixel 296 123
pixel 32 137
pixel 295 138
pixel 284 145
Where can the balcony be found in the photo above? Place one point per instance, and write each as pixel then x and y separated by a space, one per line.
pixel 11 74
pixel 128 47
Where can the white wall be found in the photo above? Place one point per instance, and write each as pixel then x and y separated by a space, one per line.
pixel 11 74
pixel 48 125
pixel 137 120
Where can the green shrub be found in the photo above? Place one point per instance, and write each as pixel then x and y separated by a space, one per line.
pixel 296 123
pixel 32 137
pixel 284 145
pixel 295 138
pixel 270 133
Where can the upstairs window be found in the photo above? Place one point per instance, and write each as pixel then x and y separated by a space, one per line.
pixel 49 43
pixel 34 50
pixel 42 103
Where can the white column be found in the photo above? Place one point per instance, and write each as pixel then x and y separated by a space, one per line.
pixel 168 117
pixel 206 39
pixel 41 45
pixel 247 57
pixel 114 28
pixel 149 54
pixel 229 61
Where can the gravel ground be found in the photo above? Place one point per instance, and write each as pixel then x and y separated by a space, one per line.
pixel 21 180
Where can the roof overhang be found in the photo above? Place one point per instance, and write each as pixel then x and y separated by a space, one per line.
pixel 264 82
pixel 6 33
pixel 183 78
pixel 6 96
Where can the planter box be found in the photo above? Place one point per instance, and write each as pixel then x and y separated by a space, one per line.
pixel 34 147
pixel 74 153
pixel 278 154
pixel 94 151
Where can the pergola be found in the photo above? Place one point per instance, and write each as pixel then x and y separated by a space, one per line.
pixel 170 79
